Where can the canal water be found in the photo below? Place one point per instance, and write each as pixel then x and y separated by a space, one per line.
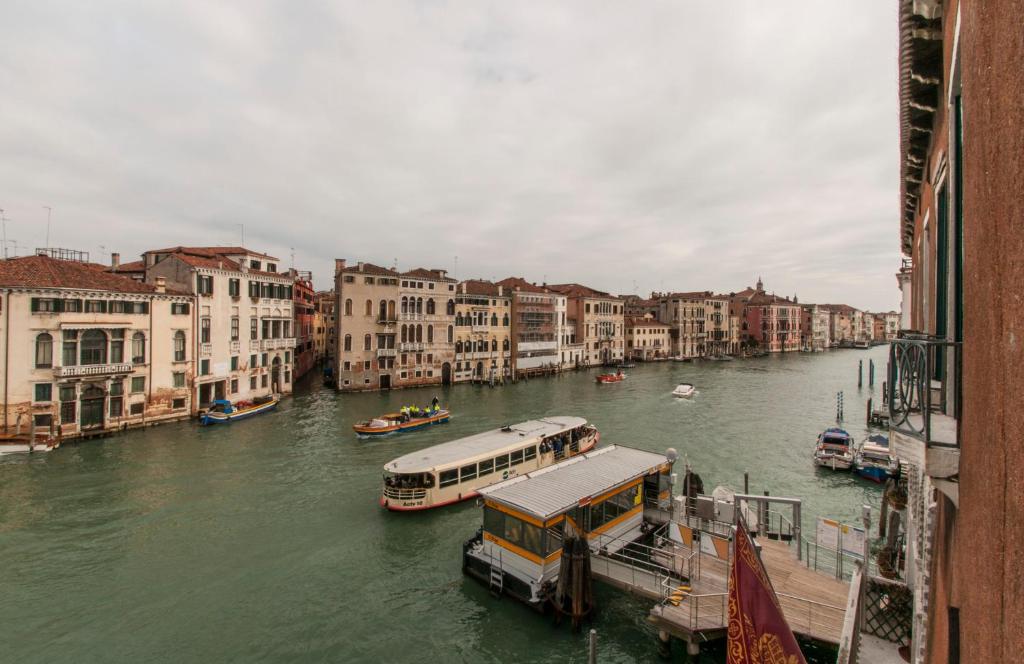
pixel 262 541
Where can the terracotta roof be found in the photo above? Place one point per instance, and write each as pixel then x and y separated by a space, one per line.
pixel 370 268
pixel 639 321
pixel 46 272
pixel 482 287
pixel 423 273
pixel 211 251
pixel 765 298
pixel 518 283
pixel 838 308
pixel 134 266
pixel 579 290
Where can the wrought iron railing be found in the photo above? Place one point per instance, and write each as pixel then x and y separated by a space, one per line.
pixel 924 378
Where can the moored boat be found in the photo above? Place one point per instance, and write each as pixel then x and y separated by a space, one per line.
pixel 457 470
pixel 401 422
pixel 37 442
pixel 683 390
pixel 223 411
pixel 834 449
pixel 874 461
pixel 616 377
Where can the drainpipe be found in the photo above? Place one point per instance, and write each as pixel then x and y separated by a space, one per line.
pixel 7 346
pixel 152 359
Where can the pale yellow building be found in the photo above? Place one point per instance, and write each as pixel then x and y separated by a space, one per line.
pixel 600 322
pixel 647 338
pixel 483 332
pixel 88 351
pixel 366 324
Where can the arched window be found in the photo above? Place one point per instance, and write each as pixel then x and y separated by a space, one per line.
pixel 405 334
pixel 405 305
pixel 138 348
pixel 369 308
pixel 451 307
pixel 458 346
pixel 179 346
pixel 430 306
pixel 458 319
pixel 44 351
pixel 367 342
pixel 419 333
pixel 504 344
pixel 494 320
pixel 348 342
pixel 94 347
pixel 451 333
pixel 504 320
pixel 419 305
pixel 430 334
pixel 348 307
pixel 494 344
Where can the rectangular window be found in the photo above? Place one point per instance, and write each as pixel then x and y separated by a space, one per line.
pixel 73 306
pixel 67 412
pixel 263 380
pixel 517 457
pixel 44 305
pixel 234 363
pixel 96 306
pixel 204 367
pixel 530 453
pixel 287 356
pixel 136 408
pixel 116 346
pixel 178 379
pixel 486 467
pixel 116 406
pixel 138 384
pixel 234 287
pixel 205 327
pixel 44 392
pixel 116 307
pixel 252 383
pixel 501 463
pixel 287 376
pixel 204 285
pixel 254 289
pixel 178 308
pixel 234 386
pixel 263 358
pixel 116 388
pixel 234 328
pixel 448 478
pixel 254 332
pixel 43 421
pixel 178 404
pixel 467 472
pixel 252 362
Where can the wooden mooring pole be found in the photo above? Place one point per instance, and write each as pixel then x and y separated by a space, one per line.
pixel 860 373
pixel 592 648
pixel 871 373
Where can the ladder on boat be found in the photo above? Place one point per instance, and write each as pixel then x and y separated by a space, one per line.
pixel 496 584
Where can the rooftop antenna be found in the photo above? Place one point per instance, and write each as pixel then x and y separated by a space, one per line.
pixel 3 221
pixel 49 211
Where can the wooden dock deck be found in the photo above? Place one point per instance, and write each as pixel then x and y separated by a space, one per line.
pixel 813 603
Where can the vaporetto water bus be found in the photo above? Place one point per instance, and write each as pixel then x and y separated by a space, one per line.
pixel 600 496
pixel 457 470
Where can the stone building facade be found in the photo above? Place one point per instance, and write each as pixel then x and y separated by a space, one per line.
pixel 600 324
pixel 483 332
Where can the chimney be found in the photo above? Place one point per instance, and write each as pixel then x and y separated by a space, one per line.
pixel 359 266
pixel 161 284
pixel 500 289
pixel 339 265
pixel 115 260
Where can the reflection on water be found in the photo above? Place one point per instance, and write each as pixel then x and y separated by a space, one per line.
pixel 262 540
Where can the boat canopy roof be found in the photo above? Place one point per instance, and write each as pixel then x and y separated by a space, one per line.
pixel 481 445
pixel 552 490
pixel 879 440
pixel 221 402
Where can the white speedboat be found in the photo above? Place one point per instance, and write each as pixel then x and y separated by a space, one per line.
pixel 683 390
pixel 834 449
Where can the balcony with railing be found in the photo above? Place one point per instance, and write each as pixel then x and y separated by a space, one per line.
pixel 386 352
pixel 275 344
pixel 924 401
pixel 254 345
pixel 92 370
pixel 410 346
pixel 236 346
pixel 205 349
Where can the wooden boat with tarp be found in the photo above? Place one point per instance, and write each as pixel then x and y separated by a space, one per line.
pixel 223 411
pixel 402 421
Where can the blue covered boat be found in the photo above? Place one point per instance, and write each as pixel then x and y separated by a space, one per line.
pixel 223 411
pixel 874 460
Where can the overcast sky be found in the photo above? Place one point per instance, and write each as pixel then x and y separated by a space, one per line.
pixel 629 146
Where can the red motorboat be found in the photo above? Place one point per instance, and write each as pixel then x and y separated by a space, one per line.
pixel 611 378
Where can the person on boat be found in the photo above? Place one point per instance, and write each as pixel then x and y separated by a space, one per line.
pixel 436 404
pixel 415 411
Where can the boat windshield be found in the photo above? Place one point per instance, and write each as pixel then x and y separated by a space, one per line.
pixel 409 480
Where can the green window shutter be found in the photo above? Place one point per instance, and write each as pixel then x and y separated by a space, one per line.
pixel 35 304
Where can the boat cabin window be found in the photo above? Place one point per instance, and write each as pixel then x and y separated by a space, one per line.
pixel 501 463
pixel 486 467
pixel 613 507
pixel 513 530
pixel 517 457
pixel 553 539
pixel 530 453
pixel 449 477
pixel 467 472
pixel 410 481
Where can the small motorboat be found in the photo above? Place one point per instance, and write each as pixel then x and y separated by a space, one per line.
pixel 834 449
pixel 616 377
pixel 683 390
pixel 223 411
pixel 680 358
pixel 405 420
pixel 874 461
pixel 32 442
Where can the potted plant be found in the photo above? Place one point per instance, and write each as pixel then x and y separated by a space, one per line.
pixel 886 560
pixel 897 496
